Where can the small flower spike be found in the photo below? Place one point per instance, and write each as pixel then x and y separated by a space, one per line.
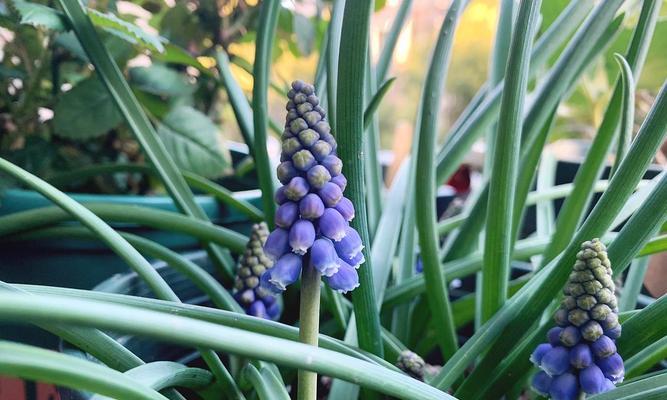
pixel 580 357
pixel 312 220
pixel 412 364
pixel 255 299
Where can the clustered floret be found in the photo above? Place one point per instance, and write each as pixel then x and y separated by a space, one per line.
pixel 313 216
pixel 255 299
pixel 580 356
pixel 412 364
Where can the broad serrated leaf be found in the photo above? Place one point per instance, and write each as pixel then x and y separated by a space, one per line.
pixel 86 111
pixel 125 30
pixel 41 16
pixel 192 139
pixel 160 80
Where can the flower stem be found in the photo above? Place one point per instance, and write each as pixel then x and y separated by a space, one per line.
pixel 309 315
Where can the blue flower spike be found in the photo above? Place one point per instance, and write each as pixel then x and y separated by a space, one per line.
pixel 254 297
pixel 580 357
pixel 312 220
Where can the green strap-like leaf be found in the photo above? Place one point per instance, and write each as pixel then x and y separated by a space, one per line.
pixel 37 364
pixel 188 331
pixel 159 219
pixel 627 121
pixel 426 218
pixel 498 242
pixel 349 125
pixel 237 99
pixel 268 19
pixel 653 388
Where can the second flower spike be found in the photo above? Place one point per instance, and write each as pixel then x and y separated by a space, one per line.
pixel 313 216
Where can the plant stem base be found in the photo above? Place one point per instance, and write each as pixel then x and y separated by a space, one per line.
pixel 309 315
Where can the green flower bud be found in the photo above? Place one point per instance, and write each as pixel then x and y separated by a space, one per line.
pixel 569 302
pixel 308 137
pixel 291 146
pixel 298 125
pixel 304 107
pixel 591 331
pixel 244 272
pixel 592 287
pixel 586 302
pixel 252 282
pixel 600 312
pixel 577 317
pixel 605 296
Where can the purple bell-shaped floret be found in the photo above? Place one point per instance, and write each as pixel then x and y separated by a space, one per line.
pixel 324 258
pixel 345 279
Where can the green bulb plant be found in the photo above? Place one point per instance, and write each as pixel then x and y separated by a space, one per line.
pixel 392 316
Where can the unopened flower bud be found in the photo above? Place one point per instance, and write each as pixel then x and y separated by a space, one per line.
pixel 301 236
pixel 333 225
pixel 311 206
pixel 324 257
pixel 286 214
pixel 330 194
pixel 345 279
pixel 318 176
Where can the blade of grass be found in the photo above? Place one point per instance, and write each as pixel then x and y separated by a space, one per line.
pixel 452 153
pixel 354 48
pixel 121 247
pixel 534 297
pixel 138 122
pixel 220 317
pixel 29 362
pixel 643 329
pixel 632 285
pixel 237 99
pixel 653 388
pixel 202 279
pixel 646 358
pixel 498 242
pixel 373 105
pixel 575 206
pixel 373 169
pixel 390 40
pixel 42 217
pixel 268 20
pixel 266 386
pixel 196 333
pixel 333 51
pixel 426 218
pixel 627 121
pixel 160 375
pixel 499 55
pixel 195 181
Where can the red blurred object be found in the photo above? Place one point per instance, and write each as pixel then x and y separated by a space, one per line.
pixel 460 181
pixel 15 389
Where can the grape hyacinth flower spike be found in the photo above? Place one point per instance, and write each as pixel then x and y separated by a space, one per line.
pixel 256 299
pixel 312 220
pixel 580 357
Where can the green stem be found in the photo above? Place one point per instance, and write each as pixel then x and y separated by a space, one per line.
pixel 309 316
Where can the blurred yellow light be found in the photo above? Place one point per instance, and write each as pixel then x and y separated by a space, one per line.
pixel 207 62
pixel 251 2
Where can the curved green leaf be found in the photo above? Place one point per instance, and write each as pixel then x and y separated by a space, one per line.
pixel 160 375
pixel 33 363
pixel 188 331
pixel 653 388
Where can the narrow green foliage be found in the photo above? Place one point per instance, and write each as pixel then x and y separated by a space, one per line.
pixel 349 125
pixel 575 206
pixel 436 285
pixel 160 375
pixel 242 110
pixel 633 284
pixel 187 331
pixel 499 237
pixel 268 21
pixel 265 383
pixel 37 364
pixel 155 151
pixel 627 112
pixel 653 388
pixel 384 60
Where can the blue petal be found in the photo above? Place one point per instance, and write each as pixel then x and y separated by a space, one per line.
pixel 324 257
pixel 330 194
pixel 311 206
pixel 345 280
pixel 345 208
pixel 541 383
pixel 285 271
pixel 286 214
pixel 603 347
pixel 258 310
pixel 277 244
pixel 301 236
pixel 539 352
pixel 556 361
pixel 592 380
pixel 333 225
pixel 564 387
pixel 612 367
pixel 581 356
